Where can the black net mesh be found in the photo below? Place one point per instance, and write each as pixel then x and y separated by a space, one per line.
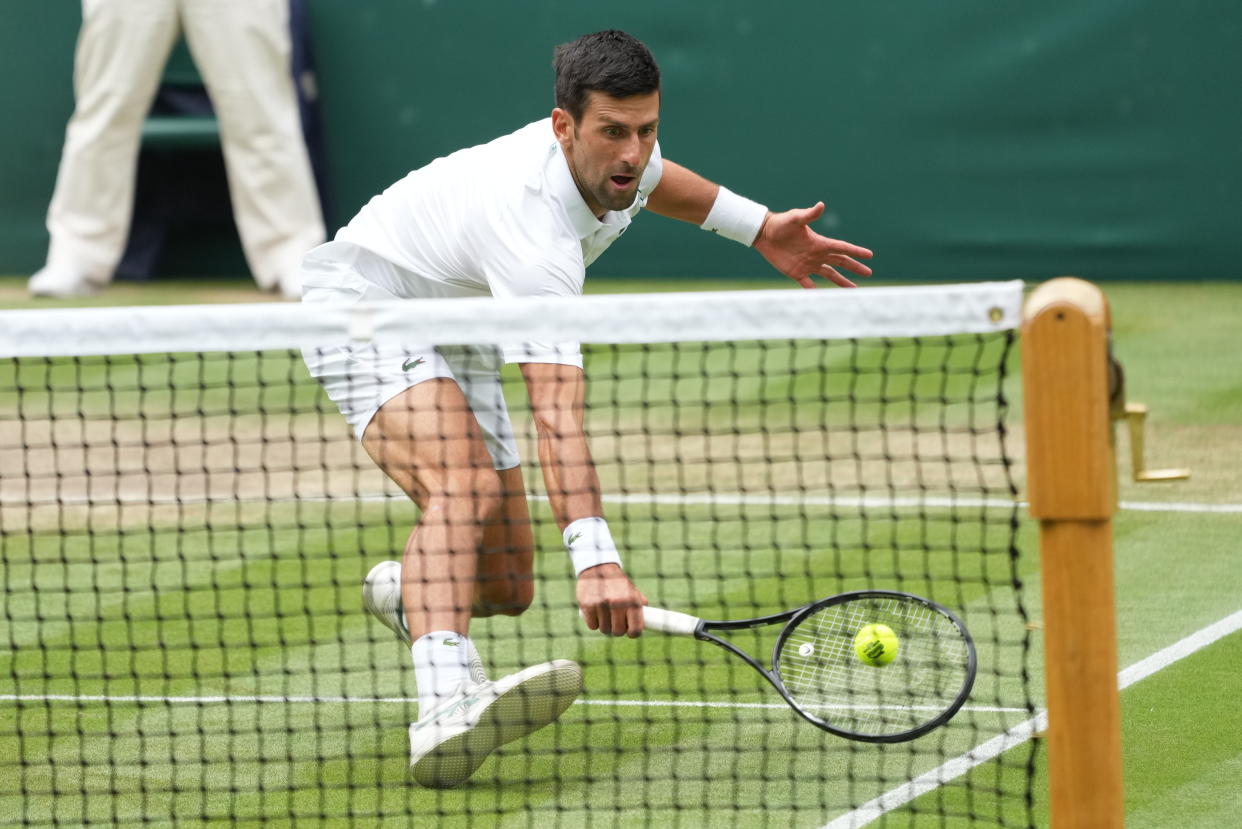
pixel 184 539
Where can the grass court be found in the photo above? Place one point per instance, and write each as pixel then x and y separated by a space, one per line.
pixel 183 657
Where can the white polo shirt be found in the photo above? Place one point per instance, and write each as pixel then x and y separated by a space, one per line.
pixel 502 219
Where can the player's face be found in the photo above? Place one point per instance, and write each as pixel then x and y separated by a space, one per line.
pixel 609 147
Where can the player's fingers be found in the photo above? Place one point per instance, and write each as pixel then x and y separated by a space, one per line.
pixel 849 264
pixel 605 619
pixel 635 622
pixel 835 247
pixel 833 275
pixel 590 617
pixel 807 215
pixel 803 280
pixel 620 619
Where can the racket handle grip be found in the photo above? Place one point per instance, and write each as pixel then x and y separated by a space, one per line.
pixel 670 621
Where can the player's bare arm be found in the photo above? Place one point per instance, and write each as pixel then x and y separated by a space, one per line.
pixel 785 239
pixel 682 194
pixel 609 601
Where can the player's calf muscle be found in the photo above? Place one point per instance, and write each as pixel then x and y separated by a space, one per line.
pixel 504 582
pixel 502 595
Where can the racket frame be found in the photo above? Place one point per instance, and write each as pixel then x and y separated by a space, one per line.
pixel 703 631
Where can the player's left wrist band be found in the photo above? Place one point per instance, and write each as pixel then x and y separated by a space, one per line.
pixel 735 217
pixel 590 544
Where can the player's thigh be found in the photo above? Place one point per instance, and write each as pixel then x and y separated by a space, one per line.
pixel 477 370
pixel 426 438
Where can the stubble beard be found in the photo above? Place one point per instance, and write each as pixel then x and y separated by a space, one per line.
pixel 611 200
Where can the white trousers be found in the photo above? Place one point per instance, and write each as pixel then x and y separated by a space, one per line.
pixel 242 51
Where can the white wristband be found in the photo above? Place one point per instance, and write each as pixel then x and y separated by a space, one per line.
pixel 735 217
pixel 590 544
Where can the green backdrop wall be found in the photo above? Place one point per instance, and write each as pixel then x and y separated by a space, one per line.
pixel 960 139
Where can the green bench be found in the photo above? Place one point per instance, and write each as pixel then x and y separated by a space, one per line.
pixel 181 132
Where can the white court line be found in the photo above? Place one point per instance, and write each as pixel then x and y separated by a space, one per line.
pixel 1022 732
pixel 313 700
pixel 1174 506
pixel 641 703
pixel 659 499
pixel 883 502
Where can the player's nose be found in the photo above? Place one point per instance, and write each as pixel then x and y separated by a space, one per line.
pixel 632 152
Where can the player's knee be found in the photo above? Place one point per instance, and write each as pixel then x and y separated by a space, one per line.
pixel 490 494
pixel 483 489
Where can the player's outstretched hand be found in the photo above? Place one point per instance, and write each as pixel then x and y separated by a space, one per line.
pixel 788 243
pixel 610 602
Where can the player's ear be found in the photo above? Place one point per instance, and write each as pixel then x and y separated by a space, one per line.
pixel 563 127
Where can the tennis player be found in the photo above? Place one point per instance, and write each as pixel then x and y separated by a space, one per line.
pixel 523 215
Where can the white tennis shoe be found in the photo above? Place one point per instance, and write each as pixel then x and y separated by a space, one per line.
pixel 60 282
pixel 381 595
pixel 451 741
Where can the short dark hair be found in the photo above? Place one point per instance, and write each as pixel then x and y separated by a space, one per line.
pixel 611 61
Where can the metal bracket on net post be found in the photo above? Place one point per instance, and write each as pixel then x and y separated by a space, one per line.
pixel 1135 416
pixel 1069 384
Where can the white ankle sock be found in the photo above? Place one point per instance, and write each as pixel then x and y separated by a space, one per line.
pixel 441 665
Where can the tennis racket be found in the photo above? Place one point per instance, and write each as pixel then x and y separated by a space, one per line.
pixel 816 669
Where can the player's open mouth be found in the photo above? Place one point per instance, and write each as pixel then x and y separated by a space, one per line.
pixel 622 182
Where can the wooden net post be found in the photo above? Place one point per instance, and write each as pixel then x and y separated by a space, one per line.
pixel 1071 484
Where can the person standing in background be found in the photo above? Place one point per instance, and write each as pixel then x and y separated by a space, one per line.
pixel 242 50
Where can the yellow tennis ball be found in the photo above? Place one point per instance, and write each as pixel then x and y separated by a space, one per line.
pixel 876 645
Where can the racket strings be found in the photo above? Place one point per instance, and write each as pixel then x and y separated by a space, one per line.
pixel 826 678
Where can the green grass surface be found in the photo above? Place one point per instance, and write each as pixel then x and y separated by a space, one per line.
pixel 204 601
pixel 1183 756
pixel 191 620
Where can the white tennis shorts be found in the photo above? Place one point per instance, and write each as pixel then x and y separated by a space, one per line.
pixel 360 379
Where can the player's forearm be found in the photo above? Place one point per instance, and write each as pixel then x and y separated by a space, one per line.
pixel 569 474
pixel 682 194
pixel 557 394
pixel 573 491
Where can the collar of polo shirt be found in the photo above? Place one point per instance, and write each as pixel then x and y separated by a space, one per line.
pixel 565 189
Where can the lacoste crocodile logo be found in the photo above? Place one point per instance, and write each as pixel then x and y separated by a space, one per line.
pixel 415 363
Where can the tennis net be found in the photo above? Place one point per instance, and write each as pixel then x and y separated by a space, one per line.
pixel 186 520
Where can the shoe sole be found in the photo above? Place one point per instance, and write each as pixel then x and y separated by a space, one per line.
pixel 369 601
pixel 527 704
pixel 72 293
